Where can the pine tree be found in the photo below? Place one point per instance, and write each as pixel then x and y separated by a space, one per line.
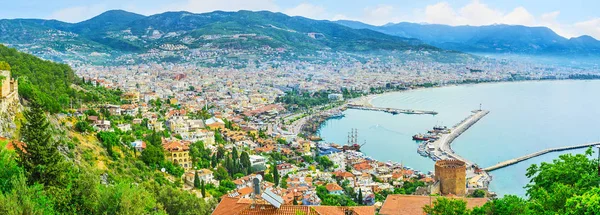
pixel 275 175
pixel 203 189
pixel 39 156
pixel 360 197
pixel 196 180
pixel 214 161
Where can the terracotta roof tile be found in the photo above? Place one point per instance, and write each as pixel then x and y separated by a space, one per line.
pixel 409 205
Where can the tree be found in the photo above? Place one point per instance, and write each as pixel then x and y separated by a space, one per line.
pixel 203 189
pixel 325 162
pixel 445 206
pixel 275 175
pixel 588 203
pixel 23 199
pixel 359 200
pixel 196 180
pixel 509 204
pixel 552 184
pixel 221 173
pixel 283 183
pixel 39 156
pixel 478 193
pixel 153 155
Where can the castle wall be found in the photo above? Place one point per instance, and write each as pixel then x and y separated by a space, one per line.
pixel 451 174
pixel 6 88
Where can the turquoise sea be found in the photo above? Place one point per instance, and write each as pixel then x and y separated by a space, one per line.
pixel 524 117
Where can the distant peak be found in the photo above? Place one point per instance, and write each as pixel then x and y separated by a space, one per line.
pixel 583 38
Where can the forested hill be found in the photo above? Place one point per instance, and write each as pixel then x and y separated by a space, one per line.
pixel 104 38
pixel 48 82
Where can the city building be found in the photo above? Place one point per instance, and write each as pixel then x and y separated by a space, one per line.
pixel 178 153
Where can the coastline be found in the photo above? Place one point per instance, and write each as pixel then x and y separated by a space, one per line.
pixel 367 100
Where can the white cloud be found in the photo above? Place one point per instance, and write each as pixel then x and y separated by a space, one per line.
pixel 476 13
pixel 379 15
pixel 202 6
pixel 307 10
pixel 590 27
pixel 78 13
pixel 519 16
pixel 441 13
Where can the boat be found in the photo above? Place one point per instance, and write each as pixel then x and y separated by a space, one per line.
pixel 439 128
pixel 420 137
pixel 353 141
pixel 337 116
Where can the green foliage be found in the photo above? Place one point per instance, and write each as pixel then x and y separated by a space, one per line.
pixel 324 162
pixel 588 203
pixel 176 201
pixel 109 139
pixel 552 184
pixel 39 156
pixel 478 193
pixel 125 198
pixel 83 126
pixel 304 99
pixel 39 79
pixel 196 180
pixel 23 199
pixel 446 206
pixel 334 200
pixel 172 168
pixel 4 66
pixel 275 175
pixel 509 204
pixel 9 167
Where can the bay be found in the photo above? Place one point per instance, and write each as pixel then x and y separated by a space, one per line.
pixel 525 117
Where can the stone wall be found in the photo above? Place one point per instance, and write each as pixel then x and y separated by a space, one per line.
pixel 451 175
pixel 9 105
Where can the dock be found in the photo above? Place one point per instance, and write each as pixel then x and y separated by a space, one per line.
pixel 440 149
pixel 391 110
pixel 532 155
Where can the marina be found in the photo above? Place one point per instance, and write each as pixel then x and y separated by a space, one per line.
pixel 436 145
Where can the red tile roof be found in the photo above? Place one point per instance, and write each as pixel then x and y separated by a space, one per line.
pixel 333 187
pixel 409 205
pixel 236 206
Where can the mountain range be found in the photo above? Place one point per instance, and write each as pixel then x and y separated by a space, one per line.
pixel 120 36
pixel 513 39
pixel 119 32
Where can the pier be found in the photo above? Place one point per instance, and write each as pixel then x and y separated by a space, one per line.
pixel 532 155
pixel 391 110
pixel 440 149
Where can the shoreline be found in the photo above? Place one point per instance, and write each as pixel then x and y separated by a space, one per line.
pixel 367 100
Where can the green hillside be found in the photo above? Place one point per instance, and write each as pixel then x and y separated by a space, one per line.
pixel 62 170
pixel 49 83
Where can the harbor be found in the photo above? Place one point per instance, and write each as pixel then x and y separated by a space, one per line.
pixel 436 145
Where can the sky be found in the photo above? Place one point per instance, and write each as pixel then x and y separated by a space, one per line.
pixel 570 18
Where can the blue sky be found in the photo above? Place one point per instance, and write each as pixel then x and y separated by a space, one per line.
pixel 567 18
